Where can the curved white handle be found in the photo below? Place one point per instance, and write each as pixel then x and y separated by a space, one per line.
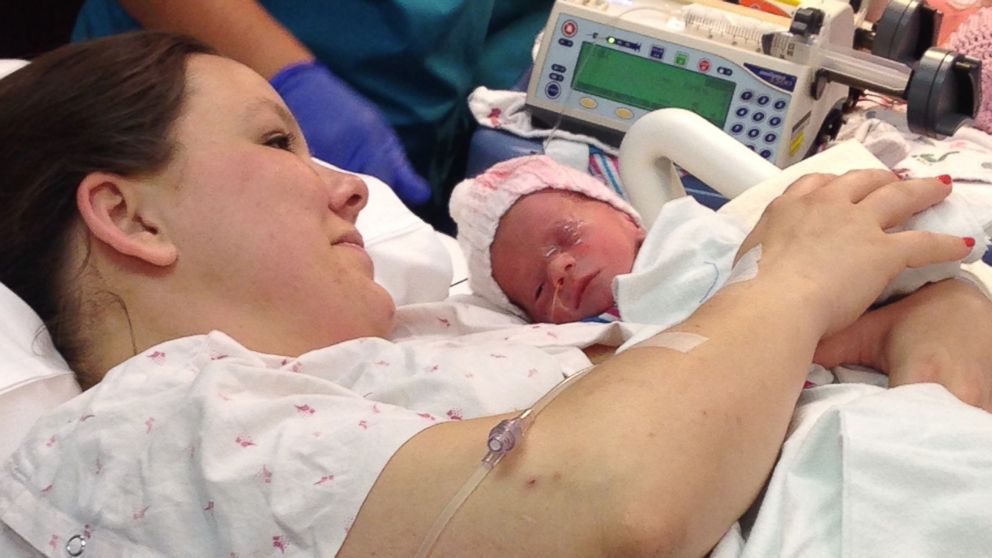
pixel 666 136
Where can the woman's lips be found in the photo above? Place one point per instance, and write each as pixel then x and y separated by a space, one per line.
pixel 353 237
pixel 353 241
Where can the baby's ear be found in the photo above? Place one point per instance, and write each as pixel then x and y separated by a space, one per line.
pixel 639 233
pixel 111 208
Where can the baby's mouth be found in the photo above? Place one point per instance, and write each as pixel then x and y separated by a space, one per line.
pixel 580 289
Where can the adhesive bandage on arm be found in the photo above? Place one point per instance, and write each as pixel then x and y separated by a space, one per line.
pixel 681 341
pixel 746 268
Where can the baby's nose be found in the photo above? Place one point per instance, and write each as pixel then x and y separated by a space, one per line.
pixel 560 269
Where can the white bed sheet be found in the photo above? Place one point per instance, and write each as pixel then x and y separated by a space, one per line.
pixel 868 471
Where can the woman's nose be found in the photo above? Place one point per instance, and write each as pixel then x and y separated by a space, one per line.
pixel 348 193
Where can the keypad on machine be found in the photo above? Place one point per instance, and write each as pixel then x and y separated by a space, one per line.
pixel 759 121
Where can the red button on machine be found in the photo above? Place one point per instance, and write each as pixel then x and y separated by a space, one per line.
pixel 704 65
pixel 569 28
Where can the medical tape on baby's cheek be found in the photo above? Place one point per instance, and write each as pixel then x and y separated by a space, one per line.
pixel 746 268
pixel 681 341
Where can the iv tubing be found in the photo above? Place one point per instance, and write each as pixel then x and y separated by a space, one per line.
pixel 502 439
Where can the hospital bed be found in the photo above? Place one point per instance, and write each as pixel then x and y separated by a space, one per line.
pixel 866 471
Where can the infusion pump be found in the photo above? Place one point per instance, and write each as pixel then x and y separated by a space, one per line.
pixel 601 65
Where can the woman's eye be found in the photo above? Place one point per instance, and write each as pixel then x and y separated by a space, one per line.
pixel 281 141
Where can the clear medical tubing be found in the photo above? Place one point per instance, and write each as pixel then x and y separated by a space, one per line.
pixel 502 439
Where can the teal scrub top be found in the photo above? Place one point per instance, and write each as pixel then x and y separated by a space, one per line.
pixel 416 59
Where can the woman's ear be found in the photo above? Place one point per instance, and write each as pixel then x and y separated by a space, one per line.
pixel 110 207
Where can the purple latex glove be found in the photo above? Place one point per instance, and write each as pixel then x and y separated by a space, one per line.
pixel 344 129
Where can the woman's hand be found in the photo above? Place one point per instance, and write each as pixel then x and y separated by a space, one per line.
pixel 825 239
pixel 941 334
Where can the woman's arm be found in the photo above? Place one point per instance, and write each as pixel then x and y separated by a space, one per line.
pixel 240 29
pixel 656 452
pixel 624 462
pixel 939 334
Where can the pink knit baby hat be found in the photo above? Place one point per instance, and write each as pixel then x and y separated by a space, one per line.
pixel 974 38
pixel 477 204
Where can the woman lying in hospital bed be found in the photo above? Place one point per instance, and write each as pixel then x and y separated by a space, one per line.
pixel 255 392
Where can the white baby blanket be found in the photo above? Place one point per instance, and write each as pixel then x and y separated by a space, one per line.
pixel 685 258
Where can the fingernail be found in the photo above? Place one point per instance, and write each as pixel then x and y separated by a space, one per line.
pixel 969 242
pixel 945 178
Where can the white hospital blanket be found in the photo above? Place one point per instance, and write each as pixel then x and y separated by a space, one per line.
pixel 873 472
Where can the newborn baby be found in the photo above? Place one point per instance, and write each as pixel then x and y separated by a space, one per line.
pixel 546 242
pixel 552 244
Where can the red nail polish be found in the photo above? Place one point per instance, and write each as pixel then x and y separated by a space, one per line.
pixel 945 178
pixel 969 242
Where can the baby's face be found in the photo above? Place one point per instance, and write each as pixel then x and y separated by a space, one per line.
pixel 555 254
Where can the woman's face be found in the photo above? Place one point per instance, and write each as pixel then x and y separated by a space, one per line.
pixel 266 238
pixel 555 254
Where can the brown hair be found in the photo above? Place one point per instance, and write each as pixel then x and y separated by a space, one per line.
pixel 104 105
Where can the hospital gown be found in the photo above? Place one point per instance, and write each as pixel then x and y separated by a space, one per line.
pixel 200 447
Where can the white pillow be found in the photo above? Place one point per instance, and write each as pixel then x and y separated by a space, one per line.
pixel 410 258
pixel 25 345
pixel 33 376
pixel 8 65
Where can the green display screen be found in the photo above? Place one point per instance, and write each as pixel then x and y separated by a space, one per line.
pixel 650 84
